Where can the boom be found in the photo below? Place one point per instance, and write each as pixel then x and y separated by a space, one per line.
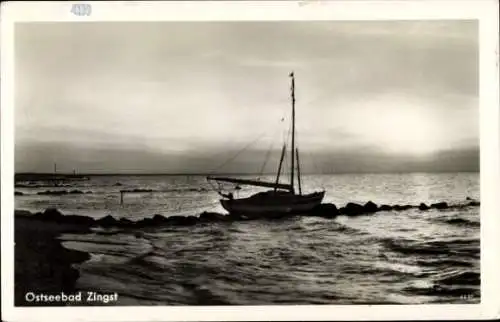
pixel 252 182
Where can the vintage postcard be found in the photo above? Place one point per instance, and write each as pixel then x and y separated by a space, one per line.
pixel 261 160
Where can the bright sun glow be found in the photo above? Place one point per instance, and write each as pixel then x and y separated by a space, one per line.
pixel 405 131
pixel 402 129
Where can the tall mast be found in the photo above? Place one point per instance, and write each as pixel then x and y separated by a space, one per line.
pixel 293 132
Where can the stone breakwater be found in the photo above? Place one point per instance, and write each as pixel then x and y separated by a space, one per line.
pixel 327 210
pixel 55 192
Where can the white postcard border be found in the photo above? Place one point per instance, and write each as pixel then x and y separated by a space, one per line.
pixel 486 11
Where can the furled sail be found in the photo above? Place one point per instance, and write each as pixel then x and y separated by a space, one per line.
pixel 252 182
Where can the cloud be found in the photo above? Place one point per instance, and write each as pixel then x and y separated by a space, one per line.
pixel 168 88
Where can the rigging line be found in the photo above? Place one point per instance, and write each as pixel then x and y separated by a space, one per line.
pixel 286 140
pixel 298 166
pixel 316 168
pixel 238 153
pixel 286 170
pixel 229 140
pixel 288 133
pixel 243 149
pixel 268 153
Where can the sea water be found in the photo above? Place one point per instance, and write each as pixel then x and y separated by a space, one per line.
pixel 388 257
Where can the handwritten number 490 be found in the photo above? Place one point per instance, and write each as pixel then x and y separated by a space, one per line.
pixel 81 9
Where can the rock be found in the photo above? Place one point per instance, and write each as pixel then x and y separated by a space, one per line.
pixel 146 222
pixel 78 220
pixel 401 207
pixel 159 219
pixel 474 203
pixel 118 184
pixel 182 220
pixel 371 207
pixel 73 192
pixel 352 209
pixel 212 217
pixel 439 205
pixel 191 220
pixel 88 192
pixel 124 222
pixel 52 214
pixel 176 220
pixel 385 208
pixel 327 210
pixel 107 221
pixel 458 206
pixel 468 198
pixel 423 206
pixel 18 193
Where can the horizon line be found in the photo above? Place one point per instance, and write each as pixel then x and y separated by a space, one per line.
pixel 81 174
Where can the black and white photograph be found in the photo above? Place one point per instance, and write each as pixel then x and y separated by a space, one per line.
pixel 246 162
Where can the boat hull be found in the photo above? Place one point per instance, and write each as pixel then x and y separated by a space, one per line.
pixel 272 204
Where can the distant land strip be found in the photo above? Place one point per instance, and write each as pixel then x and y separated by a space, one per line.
pixel 32 176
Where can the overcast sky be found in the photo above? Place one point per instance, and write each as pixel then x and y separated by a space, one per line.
pixel 185 96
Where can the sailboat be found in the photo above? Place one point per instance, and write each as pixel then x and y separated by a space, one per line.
pixel 282 199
